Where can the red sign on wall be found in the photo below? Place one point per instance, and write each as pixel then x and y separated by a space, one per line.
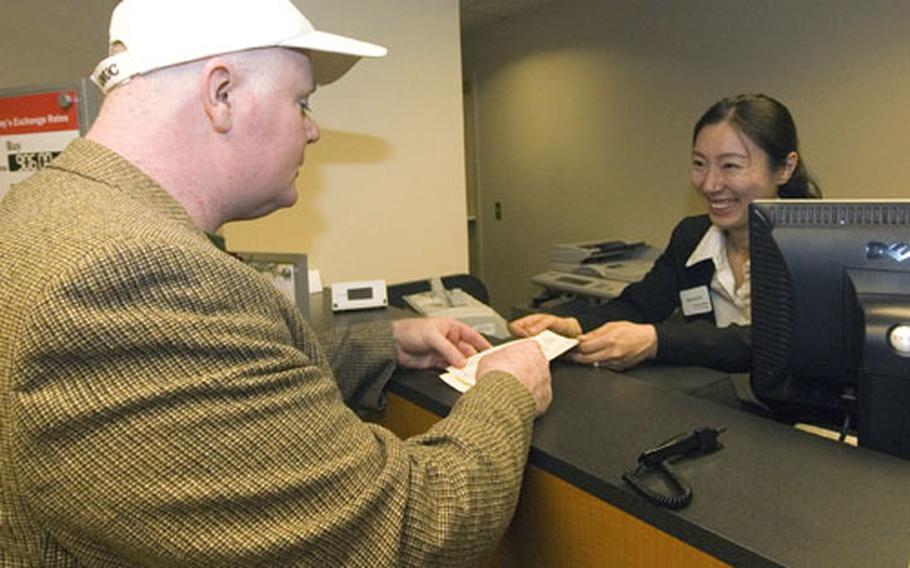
pixel 34 128
pixel 42 112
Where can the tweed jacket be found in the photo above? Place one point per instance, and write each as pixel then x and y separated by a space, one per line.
pixel 689 340
pixel 161 404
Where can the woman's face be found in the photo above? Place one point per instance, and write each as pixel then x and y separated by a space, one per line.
pixel 729 171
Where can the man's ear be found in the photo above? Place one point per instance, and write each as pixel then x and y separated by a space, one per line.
pixel 216 86
pixel 783 175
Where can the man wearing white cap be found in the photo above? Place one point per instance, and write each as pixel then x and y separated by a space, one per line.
pixel 161 403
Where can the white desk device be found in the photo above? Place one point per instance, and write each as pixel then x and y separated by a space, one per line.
pixel 359 295
pixel 596 269
pixel 458 304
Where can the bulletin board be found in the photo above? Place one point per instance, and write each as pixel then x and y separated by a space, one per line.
pixel 287 272
pixel 37 122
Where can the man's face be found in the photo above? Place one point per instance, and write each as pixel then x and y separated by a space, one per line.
pixel 274 130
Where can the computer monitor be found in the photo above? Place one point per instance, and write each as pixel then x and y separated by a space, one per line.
pixel 831 314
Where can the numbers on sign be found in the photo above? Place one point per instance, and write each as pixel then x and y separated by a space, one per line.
pixel 30 161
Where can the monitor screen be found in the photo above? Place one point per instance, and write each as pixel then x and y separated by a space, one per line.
pixel 831 315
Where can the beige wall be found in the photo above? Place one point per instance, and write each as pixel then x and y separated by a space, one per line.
pixel 584 112
pixel 383 192
pixel 382 195
pixel 51 41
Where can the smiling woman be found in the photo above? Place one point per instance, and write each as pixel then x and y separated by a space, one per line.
pixel 743 148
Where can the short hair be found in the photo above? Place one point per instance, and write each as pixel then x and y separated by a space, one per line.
pixel 768 124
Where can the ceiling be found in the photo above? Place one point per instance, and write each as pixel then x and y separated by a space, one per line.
pixel 477 13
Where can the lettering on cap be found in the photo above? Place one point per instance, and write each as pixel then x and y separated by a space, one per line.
pixel 107 74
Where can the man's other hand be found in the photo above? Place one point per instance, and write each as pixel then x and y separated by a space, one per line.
pixel 424 343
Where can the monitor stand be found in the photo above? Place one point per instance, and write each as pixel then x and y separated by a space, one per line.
pixel 883 395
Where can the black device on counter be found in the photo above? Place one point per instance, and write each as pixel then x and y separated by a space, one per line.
pixel 657 461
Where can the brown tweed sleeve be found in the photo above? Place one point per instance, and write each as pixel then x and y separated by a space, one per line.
pixel 362 358
pixel 171 412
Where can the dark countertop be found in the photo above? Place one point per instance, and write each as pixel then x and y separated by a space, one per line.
pixel 772 496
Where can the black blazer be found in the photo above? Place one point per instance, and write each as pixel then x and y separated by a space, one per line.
pixel 687 340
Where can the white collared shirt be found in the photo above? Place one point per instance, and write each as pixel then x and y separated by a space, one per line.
pixel 731 305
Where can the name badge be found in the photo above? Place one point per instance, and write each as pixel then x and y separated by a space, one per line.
pixel 695 301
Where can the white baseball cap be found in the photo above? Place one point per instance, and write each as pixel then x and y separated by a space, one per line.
pixel 151 34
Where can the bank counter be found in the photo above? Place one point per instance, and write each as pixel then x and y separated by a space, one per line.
pixel 772 496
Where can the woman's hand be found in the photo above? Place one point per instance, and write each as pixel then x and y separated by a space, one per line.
pixel 533 324
pixel 617 345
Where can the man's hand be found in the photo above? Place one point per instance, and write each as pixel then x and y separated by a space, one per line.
pixel 526 362
pixel 617 345
pixel 533 324
pixel 424 343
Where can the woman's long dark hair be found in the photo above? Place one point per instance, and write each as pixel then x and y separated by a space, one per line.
pixel 770 126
